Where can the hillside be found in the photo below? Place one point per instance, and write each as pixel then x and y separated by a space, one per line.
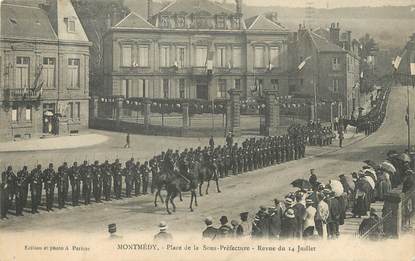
pixel 380 22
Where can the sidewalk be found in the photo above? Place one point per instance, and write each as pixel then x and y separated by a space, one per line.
pixel 54 143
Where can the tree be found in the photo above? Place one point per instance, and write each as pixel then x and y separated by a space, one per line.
pixel 94 16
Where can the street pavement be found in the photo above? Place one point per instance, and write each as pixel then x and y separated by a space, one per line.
pixel 245 192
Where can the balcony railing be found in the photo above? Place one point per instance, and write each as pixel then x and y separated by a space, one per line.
pixel 22 93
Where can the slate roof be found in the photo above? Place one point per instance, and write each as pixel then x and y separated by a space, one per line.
pixel 322 32
pixel 19 21
pixel 134 20
pixel 260 22
pixel 195 6
pixel 322 44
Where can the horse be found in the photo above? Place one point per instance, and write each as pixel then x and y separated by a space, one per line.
pixel 180 183
pixel 206 173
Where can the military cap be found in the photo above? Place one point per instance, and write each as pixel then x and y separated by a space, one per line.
pixel 112 228
pixel 223 220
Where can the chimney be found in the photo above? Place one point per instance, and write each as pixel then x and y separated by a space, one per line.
pixel 274 17
pixel 238 6
pixel 335 33
pixel 149 9
pixel 108 21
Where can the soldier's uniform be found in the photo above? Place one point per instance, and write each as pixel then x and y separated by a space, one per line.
pixel 4 196
pixel 145 172
pixel 23 176
pixel 154 166
pixel 36 187
pixel 62 184
pixel 11 183
pixel 137 179
pixel 75 184
pixel 128 177
pixel 107 180
pixel 49 177
pixel 117 174
pixel 85 172
pixel 97 181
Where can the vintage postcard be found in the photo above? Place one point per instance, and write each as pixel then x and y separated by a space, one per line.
pixel 207 130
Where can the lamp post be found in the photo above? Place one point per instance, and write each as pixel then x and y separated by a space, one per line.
pixel 408 118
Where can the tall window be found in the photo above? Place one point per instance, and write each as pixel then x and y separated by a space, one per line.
pixel 164 56
pixel 48 72
pixel 259 57
pixel 126 88
pixel 181 52
pixel 236 57
pixel 274 53
pixel 221 93
pixel 22 72
pixel 237 84
pixel 126 56
pixel 73 72
pixel 166 88
pixel 275 84
pixel 14 113
pixel 336 85
pixel 28 113
pixel 201 56
pixel 259 86
pixel 143 56
pixel 335 63
pixel 78 110
pixel 142 88
pixel 70 110
pixel 182 89
pixel 221 57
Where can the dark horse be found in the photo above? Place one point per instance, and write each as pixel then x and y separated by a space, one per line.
pixel 175 183
pixel 206 173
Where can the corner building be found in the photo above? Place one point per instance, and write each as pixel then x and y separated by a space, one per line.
pixel 44 68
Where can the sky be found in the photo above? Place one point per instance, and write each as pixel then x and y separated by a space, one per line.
pixel 330 3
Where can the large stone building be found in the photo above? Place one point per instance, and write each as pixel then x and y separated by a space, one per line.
pixel 44 68
pixel 326 64
pixel 195 49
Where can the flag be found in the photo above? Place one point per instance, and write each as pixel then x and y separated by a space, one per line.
pixel 37 76
pixel 413 69
pixel 301 65
pixel 397 62
pixel 361 75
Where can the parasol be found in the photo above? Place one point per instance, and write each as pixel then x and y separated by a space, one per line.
pixel 371 173
pixel 370 180
pixel 387 166
pixel 363 185
pixel 404 157
pixel 48 113
pixel 301 184
pixel 336 187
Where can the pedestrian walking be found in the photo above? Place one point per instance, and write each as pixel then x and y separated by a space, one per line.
pixel 127 141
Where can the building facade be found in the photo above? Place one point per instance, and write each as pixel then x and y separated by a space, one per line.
pixel 44 70
pixel 326 64
pixel 196 50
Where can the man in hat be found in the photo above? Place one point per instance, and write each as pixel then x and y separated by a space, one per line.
pixel 244 229
pixel 409 181
pixel 163 235
pixel 49 176
pixel 224 230
pixel 334 215
pixel 289 225
pixel 309 222
pixel 210 232
pixel 313 180
pixel 300 213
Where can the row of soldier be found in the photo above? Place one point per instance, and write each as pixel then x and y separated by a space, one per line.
pixel 314 132
pixel 105 181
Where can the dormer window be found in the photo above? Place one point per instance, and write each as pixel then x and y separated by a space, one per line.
pixel 70 24
pixel 236 23
pixel 164 21
pixel 180 22
pixel 220 22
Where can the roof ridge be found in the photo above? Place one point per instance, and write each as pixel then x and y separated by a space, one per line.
pixel 255 21
pixel 137 15
pixel 167 6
